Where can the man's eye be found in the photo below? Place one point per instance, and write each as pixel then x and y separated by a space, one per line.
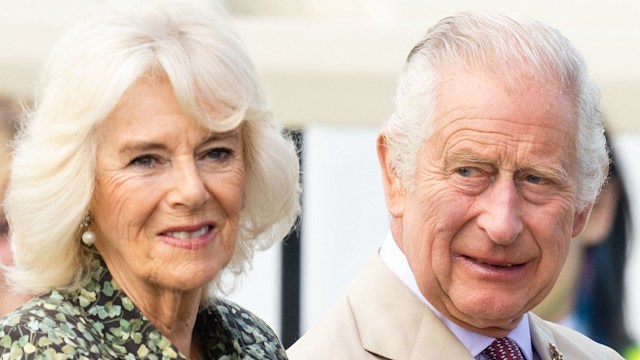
pixel 533 179
pixel 465 172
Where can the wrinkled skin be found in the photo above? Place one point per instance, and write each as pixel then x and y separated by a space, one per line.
pixel 167 204
pixel 488 225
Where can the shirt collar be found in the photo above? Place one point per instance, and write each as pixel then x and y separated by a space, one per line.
pixel 396 261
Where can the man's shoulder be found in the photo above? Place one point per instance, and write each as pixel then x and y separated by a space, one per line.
pixel 335 334
pixel 372 318
pixel 568 342
pixel 48 324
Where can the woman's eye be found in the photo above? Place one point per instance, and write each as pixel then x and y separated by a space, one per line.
pixel 219 154
pixel 145 160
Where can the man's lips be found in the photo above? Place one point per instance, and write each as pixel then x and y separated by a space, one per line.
pixel 493 263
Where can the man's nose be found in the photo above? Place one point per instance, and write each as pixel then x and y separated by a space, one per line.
pixel 501 212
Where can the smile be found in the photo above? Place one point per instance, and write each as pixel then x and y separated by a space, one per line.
pixel 492 265
pixel 194 238
pixel 188 234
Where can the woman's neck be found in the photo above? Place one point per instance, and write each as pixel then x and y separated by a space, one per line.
pixel 172 312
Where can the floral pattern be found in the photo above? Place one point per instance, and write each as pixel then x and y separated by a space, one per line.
pixel 99 321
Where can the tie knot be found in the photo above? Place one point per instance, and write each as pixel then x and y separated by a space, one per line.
pixel 503 349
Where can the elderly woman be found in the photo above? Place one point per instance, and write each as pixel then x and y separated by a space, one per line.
pixel 150 167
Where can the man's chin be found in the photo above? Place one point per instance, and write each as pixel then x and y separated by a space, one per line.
pixel 489 319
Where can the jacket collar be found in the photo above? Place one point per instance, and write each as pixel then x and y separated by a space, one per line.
pixel 393 323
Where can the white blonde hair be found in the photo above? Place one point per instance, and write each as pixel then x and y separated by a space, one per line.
pixel 88 71
pixel 502 45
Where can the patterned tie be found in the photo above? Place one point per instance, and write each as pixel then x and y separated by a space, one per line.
pixel 503 349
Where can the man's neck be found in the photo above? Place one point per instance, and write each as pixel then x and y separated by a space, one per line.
pixel 393 257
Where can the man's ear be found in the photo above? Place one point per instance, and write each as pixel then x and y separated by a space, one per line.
pixel 580 220
pixel 394 191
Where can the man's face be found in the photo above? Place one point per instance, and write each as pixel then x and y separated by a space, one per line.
pixel 488 225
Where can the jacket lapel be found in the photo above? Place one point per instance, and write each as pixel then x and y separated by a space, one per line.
pixel 392 321
pixel 544 343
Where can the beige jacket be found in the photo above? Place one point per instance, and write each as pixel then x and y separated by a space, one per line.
pixel 381 319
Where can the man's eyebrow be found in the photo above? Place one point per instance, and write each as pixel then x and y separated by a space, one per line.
pixel 464 157
pixel 555 173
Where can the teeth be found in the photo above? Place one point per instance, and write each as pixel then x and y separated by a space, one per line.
pixel 188 234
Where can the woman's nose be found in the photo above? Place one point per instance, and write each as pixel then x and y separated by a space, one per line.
pixel 188 187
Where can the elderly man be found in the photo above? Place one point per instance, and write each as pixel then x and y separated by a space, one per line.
pixel 490 165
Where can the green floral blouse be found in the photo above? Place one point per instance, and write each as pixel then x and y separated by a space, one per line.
pixel 100 322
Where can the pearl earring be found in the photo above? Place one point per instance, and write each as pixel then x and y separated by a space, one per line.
pixel 88 236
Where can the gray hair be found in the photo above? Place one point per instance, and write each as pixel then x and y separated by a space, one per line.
pixel 85 77
pixel 499 44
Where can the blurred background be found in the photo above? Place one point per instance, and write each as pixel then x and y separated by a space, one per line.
pixel 330 68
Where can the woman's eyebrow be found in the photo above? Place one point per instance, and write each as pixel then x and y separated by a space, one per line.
pixel 142 146
pixel 221 136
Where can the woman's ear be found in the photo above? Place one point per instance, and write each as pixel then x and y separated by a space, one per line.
pixel 394 191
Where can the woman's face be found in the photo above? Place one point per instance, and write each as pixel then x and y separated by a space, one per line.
pixel 168 194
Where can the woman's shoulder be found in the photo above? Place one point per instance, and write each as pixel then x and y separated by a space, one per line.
pixel 233 313
pixel 253 335
pixel 48 324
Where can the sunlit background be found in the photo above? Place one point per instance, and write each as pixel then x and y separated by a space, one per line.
pixel 330 68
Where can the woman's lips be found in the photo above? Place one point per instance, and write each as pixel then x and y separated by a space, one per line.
pixel 188 234
pixel 190 239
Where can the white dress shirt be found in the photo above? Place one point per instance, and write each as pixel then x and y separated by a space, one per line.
pixel 395 259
